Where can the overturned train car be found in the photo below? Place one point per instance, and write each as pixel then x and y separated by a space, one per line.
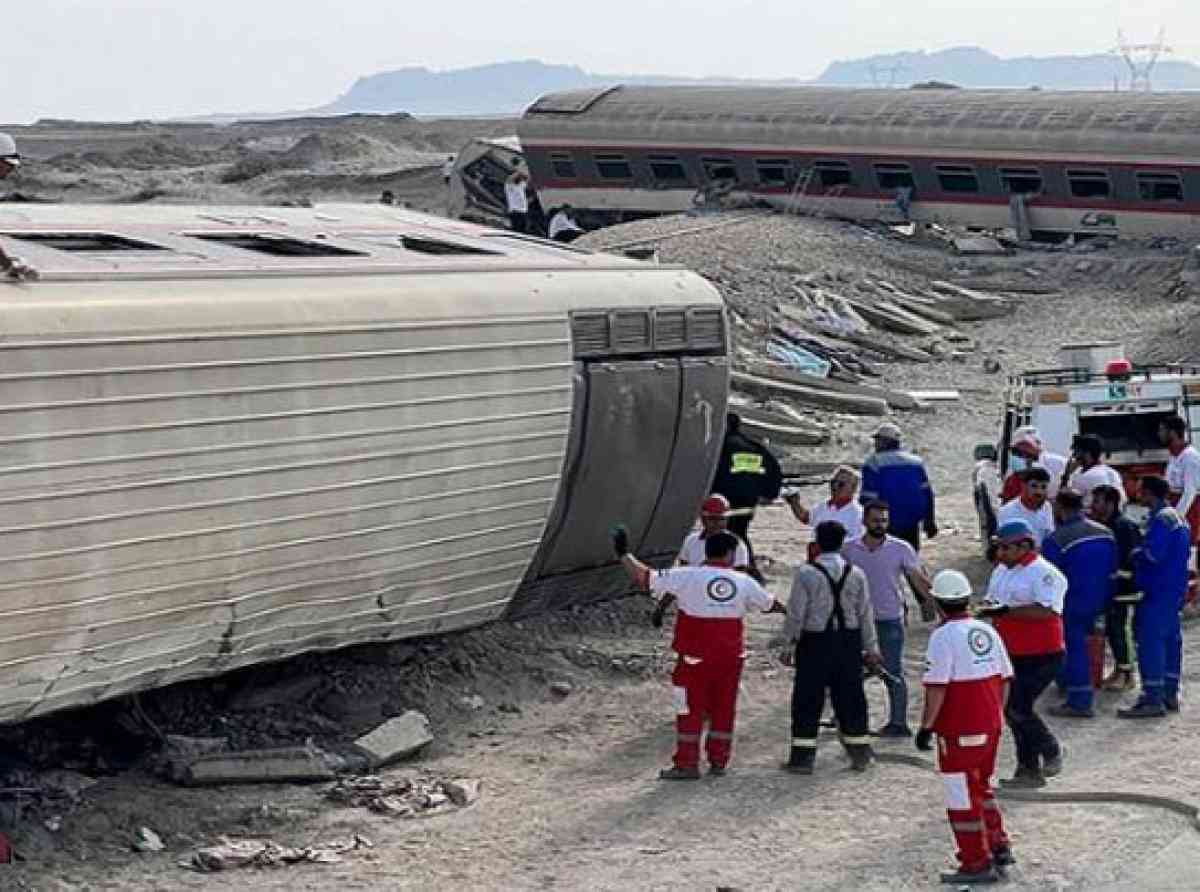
pixel 1048 164
pixel 230 437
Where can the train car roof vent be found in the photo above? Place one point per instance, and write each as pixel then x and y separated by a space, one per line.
pixel 84 242
pixel 571 102
pixel 670 329
pixel 631 331
pixel 706 329
pixel 590 334
pixel 276 245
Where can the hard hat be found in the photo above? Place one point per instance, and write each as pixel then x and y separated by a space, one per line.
pixel 8 150
pixel 951 585
pixel 715 505
pixel 1027 436
pixel 1015 531
pixel 887 431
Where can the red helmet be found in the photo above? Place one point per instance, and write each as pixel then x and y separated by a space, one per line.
pixel 715 506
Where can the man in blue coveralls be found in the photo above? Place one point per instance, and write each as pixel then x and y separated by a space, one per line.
pixel 899 478
pixel 1086 553
pixel 1161 572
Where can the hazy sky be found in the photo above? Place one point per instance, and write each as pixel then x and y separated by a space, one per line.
pixel 139 59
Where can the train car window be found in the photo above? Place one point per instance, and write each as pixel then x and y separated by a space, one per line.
pixel 833 173
pixel 773 171
pixel 667 169
pixel 1021 180
pixel 84 242
pixel 894 176
pixel 957 177
pixel 614 167
pixel 437 246
pixel 717 169
pixel 276 245
pixel 1159 187
pixel 563 166
pixel 1089 183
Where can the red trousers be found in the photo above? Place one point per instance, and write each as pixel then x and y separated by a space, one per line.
pixel 705 690
pixel 967 764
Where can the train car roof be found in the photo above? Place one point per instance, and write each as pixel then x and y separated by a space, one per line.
pixel 98 241
pixel 1004 123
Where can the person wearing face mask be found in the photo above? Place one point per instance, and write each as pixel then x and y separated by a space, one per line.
pixel 1031 505
pixel 887 561
pixel 1027 452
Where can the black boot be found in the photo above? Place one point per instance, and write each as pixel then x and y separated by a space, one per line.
pixel 861 755
pixel 961 878
pixel 801 760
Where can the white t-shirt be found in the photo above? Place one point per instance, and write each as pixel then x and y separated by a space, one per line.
pixel 691 554
pixel 515 197
pixel 711 592
pixel 1183 476
pixel 1038 582
pixel 849 515
pixel 1054 465
pixel 1097 475
pixel 560 222
pixel 965 650
pixel 1041 520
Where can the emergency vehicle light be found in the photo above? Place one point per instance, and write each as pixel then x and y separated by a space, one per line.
pixel 1118 369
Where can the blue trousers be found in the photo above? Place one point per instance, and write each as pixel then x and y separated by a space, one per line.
pixel 1160 652
pixel 1076 674
pixel 891 647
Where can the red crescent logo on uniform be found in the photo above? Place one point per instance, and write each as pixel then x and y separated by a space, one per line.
pixel 721 589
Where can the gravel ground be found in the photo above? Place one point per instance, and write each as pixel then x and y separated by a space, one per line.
pixel 569 797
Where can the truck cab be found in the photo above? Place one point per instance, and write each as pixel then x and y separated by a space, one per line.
pixel 1096 391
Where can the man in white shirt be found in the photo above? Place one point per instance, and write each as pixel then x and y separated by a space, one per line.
pixel 842 506
pixel 1086 471
pixel 1026 451
pixel 714 518
pixel 1183 472
pixel 517 200
pixel 563 227
pixel 1032 505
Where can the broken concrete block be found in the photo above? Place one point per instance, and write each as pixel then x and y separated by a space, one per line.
pixel 462 791
pixel 396 738
pixel 146 840
pixel 561 688
pixel 290 763
pixel 978 245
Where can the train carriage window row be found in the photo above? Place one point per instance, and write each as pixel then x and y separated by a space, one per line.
pixel 923 176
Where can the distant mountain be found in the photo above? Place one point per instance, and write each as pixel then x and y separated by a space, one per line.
pixel 502 88
pixel 971 66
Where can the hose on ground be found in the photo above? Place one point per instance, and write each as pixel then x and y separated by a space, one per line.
pixel 1107 797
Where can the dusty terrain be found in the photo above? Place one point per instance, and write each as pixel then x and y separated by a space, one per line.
pixel 570 799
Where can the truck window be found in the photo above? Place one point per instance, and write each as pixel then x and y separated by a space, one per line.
pixel 1126 432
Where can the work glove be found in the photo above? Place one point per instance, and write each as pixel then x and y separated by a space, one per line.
pixel 620 540
pixel 924 740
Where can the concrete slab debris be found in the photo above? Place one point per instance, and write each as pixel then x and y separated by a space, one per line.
pixel 462 791
pixel 268 766
pixel 979 245
pixel 146 840
pixel 396 738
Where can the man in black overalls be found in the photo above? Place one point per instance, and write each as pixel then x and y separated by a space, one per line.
pixel 832 628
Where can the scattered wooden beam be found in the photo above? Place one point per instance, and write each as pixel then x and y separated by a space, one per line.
pixel 808 396
pixel 897 399
pixel 889 316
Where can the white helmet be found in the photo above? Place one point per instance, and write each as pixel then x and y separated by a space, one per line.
pixel 951 585
pixel 8 150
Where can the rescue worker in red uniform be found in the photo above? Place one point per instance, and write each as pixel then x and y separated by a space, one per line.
pixel 966 685
pixel 712 600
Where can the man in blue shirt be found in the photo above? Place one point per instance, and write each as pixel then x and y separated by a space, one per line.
pixel 1086 553
pixel 1160 569
pixel 898 478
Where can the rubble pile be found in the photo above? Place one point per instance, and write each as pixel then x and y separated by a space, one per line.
pixel 405 797
pixel 229 854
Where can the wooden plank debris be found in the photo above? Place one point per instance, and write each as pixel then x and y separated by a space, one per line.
pixel 897 399
pixel 767 388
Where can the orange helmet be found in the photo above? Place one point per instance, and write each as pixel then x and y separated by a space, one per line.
pixel 715 505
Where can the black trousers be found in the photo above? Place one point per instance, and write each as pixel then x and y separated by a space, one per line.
pixel 739 525
pixel 830 661
pixel 518 221
pixel 1118 628
pixel 1031 676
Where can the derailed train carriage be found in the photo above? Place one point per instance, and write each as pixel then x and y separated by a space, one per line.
pixel 234 436
pixel 1049 164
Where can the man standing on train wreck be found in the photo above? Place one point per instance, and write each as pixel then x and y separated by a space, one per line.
pixel 713 599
